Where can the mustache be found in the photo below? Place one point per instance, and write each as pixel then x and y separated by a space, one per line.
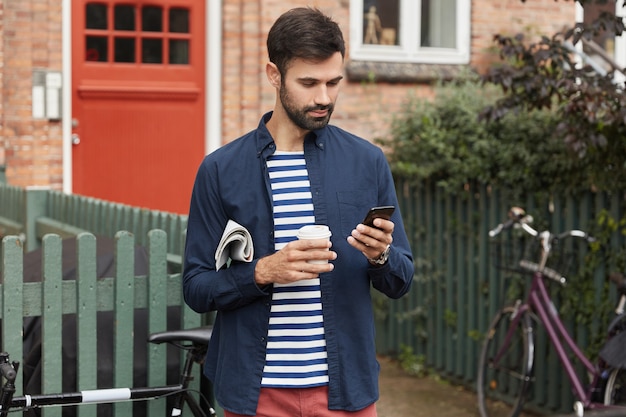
pixel 314 108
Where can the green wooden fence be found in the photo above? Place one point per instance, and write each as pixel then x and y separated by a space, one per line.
pixel 32 213
pixel 457 290
pixel 39 219
pixel 54 298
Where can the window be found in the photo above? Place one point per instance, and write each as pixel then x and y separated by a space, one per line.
pixel 605 50
pixel 137 34
pixel 414 31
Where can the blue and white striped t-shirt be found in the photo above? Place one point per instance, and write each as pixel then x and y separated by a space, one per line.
pixel 296 347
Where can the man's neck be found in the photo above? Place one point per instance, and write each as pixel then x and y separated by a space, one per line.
pixel 287 136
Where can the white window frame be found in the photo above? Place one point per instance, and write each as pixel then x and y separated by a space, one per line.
pixel 620 42
pixel 407 51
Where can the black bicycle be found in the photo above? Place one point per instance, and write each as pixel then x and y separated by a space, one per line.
pixel 193 341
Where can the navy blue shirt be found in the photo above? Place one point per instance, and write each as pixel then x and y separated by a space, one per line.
pixel 348 176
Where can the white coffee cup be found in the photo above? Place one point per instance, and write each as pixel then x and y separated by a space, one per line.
pixel 315 231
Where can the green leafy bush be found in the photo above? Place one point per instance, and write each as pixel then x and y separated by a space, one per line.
pixel 443 140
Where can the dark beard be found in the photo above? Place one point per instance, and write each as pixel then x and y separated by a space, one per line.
pixel 300 117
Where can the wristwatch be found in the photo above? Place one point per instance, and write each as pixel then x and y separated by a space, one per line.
pixel 382 259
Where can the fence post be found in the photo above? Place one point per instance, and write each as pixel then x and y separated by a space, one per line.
pixel 52 327
pixel 86 317
pixel 124 302
pixel 35 206
pixel 157 313
pixel 12 301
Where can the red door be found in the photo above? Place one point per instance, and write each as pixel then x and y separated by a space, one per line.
pixel 138 100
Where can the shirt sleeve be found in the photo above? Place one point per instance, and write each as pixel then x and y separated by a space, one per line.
pixel 204 288
pixel 393 279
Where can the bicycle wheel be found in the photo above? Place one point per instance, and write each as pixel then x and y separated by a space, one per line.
pixel 615 392
pixel 505 365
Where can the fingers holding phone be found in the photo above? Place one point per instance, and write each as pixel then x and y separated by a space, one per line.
pixel 374 234
pixel 381 212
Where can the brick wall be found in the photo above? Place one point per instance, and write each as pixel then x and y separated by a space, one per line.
pixel 2 135
pixel 30 38
pixel 362 108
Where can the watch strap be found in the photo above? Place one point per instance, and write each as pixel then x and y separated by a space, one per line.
pixel 382 258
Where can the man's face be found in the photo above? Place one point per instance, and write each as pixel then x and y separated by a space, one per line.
pixel 309 90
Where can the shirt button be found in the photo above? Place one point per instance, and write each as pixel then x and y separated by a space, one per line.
pixel 262 339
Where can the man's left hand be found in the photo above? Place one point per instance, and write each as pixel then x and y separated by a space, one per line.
pixel 372 241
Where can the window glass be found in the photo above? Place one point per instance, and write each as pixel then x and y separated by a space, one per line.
pixel 413 31
pixel 179 20
pixel 136 33
pixel 124 49
pixel 179 51
pixel 96 48
pixel 95 16
pixel 152 51
pixel 152 19
pixel 438 23
pixel 381 22
pixel 605 39
pixel 124 17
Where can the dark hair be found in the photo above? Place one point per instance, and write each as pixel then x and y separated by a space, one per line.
pixel 305 33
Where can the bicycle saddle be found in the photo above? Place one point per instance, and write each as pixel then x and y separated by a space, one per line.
pixel 200 335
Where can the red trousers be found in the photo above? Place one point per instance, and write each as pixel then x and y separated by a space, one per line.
pixel 300 402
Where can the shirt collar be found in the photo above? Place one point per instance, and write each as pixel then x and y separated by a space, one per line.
pixel 265 143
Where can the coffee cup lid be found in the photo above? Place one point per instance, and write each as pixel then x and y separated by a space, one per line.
pixel 314 231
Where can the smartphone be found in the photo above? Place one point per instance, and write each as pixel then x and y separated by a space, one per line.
pixel 383 212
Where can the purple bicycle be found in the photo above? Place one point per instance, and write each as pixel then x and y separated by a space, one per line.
pixel 506 371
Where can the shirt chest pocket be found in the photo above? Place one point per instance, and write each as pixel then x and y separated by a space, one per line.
pixel 353 206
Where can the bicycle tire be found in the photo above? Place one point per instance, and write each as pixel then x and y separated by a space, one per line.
pixel 615 391
pixel 617 325
pixel 502 389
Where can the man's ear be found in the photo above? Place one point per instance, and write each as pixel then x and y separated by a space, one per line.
pixel 273 74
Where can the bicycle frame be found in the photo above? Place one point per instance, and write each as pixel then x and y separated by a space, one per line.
pixel 540 303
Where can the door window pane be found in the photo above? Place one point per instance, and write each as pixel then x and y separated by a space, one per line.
pixel 95 16
pixel 179 51
pixel 438 26
pixel 96 48
pixel 152 51
pixel 129 20
pixel 124 49
pixel 381 22
pixel 152 19
pixel 179 20
pixel 124 17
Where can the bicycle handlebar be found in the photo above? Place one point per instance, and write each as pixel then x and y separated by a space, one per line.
pixel 518 218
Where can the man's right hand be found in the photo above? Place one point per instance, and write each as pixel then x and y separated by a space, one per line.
pixel 290 263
